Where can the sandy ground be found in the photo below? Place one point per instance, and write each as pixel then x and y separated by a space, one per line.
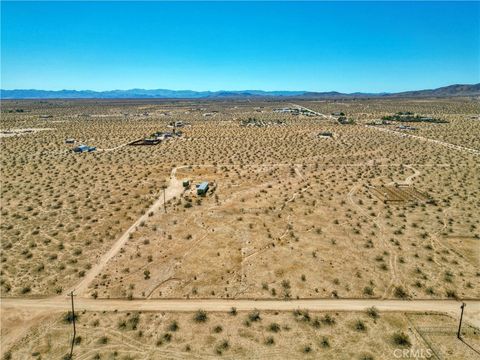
pixel 291 218
pixel 19 132
pixel 442 143
pixel 173 190
pixel 258 334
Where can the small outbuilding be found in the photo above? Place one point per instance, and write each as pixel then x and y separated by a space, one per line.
pixel 69 141
pixel 202 188
pixel 326 134
pixel 84 148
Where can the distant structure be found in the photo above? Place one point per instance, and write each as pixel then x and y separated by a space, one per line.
pixel 406 127
pixel 156 138
pixel 69 141
pixel 84 148
pixel 343 120
pixel 407 116
pixel 326 134
pixel 202 188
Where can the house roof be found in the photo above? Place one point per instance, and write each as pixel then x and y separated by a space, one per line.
pixel 203 185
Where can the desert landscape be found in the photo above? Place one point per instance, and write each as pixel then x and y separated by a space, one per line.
pixel 369 201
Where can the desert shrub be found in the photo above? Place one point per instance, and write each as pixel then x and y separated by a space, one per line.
pixel 146 274
pixel 200 316
pixel 173 326
pixel 373 312
pixel 130 323
pixel 220 348
pixel 451 294
pixel 134 320
pixel 316 323
pixel 68 317
pixel 329 320
pixel 286 284
pixel 368 290
pixel 301 315
pixel 360 326
pixel 274 327
pixel 254 316
pixel 269 340
pixel 307 349
pixel 217 329
pixel 122 324
pixel 402 339
pixel 400 292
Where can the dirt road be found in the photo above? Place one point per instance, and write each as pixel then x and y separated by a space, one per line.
pixel 27 313
pixel 174 189
pixel 443 143
pixel 472 309
pixel 312 111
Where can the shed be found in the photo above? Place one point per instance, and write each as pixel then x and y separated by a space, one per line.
pixel 326 134
pixel 84 148
pixel 70 141
pixel 202 188
pixel 81 148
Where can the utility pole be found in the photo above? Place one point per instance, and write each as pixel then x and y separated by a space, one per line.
pixel 74 330
pixel 461 317
pixel 164 203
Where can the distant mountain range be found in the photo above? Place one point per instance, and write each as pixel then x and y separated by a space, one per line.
pixel 446 91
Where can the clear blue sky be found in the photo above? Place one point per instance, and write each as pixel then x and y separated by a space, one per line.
pixel 317 46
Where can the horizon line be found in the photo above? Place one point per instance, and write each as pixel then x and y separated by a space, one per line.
pixel 239 90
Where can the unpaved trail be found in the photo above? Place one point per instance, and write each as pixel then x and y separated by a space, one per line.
pixel 19 132
pixel 392 256
pixel 45 307
pixel 15 324
pixel 174 189
pixel 409 180
pixel 472 309
pixel 313 111
pixel 443 143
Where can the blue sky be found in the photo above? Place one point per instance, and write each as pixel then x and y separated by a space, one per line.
pixel 316 46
